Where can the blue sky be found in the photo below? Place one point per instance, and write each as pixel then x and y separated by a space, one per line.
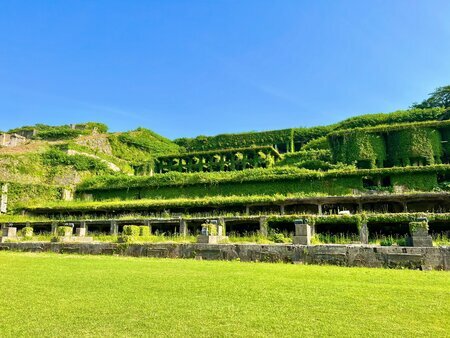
pixel 187 68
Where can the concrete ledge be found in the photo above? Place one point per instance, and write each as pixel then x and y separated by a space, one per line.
pixel 437 258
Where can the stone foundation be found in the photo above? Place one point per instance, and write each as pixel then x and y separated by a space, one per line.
pixel 437 258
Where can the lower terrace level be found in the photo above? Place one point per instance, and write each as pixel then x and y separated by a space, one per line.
pixel 353 229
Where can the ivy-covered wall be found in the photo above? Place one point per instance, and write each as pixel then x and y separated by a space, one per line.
pixel 415 181
pixel 414 146
pixel 20 195
pixel 366 149
pixel 331 186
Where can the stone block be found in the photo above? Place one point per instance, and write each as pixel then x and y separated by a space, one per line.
pixel 302 240
pixel 9 232
pixel 302 230
pixel 211 239
pixel 421 241
pixel 80 232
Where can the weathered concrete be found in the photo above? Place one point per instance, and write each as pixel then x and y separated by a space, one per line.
pixel 80 232
pixel 344 255
pixel 211 239
pixel 4 199
pixel 302 233
pixel 364 233
pixel 8 233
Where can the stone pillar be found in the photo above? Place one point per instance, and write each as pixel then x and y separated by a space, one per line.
pixel 80 232
pixel 405 207
pixel 302 233
pixel 360 207
pixel 54 228
pixel 419 234
pixel 183 227
pixel 247 210
pixel 114 228
pixel 4 199
pixel 319 209
pixel 282 209
pixel 364 233
pixel 221 229
pixel 263 226
pixel 8 233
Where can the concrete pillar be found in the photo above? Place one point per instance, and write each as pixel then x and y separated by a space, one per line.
pixel 183 227
pixel 405 207
pixel 80 232
pixel 222 228
pixel 282 209
pixel 4 199
pixel 114 228
pixel 319 209
pixel 9 233
pixel 302 233
pixel 364 233
pixel 247 210
pixel 419 234
pixel 263 226
pixel 54 227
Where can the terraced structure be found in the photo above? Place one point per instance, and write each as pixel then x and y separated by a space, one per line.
pixel 364 179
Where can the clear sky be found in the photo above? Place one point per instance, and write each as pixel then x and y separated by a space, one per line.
pixel 187 68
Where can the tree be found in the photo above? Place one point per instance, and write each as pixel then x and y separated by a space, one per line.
pixel 439 98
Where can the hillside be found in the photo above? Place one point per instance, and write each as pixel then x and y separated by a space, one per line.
pixel 325 160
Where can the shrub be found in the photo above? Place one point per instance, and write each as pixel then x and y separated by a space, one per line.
pixel 277 238
pixel 144 230
pixel 417 226
pixel 27 232
pixel 212 228
pixel 62 230
pixel 131 230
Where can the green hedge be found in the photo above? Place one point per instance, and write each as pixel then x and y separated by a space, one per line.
pixel 131 230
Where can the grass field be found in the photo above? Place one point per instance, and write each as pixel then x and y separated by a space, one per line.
pixel 70 295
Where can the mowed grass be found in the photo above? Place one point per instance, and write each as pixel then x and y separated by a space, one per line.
pixel 70 295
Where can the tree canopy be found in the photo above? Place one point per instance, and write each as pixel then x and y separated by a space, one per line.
pixel 439 98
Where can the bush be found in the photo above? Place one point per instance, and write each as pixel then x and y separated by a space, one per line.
pixel 144 230
pixel 212 228
pixel 27 232
pixel 131 230
pixel 62 230
pixel 277 238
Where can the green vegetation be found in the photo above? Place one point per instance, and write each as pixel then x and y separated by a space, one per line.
pixel 141 145
pixel 203 299
pixel 45 132
pixel 439 98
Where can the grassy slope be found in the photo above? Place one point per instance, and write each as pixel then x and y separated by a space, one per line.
pixel 50 295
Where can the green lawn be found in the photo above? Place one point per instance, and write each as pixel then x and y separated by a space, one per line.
pixel 70 295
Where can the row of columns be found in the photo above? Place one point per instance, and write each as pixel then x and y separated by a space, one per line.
pixel 210 160
pixel 320 208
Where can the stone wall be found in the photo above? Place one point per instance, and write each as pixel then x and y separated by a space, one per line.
pixel 344 255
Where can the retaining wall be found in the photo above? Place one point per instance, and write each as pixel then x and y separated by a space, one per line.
pixel 344 255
